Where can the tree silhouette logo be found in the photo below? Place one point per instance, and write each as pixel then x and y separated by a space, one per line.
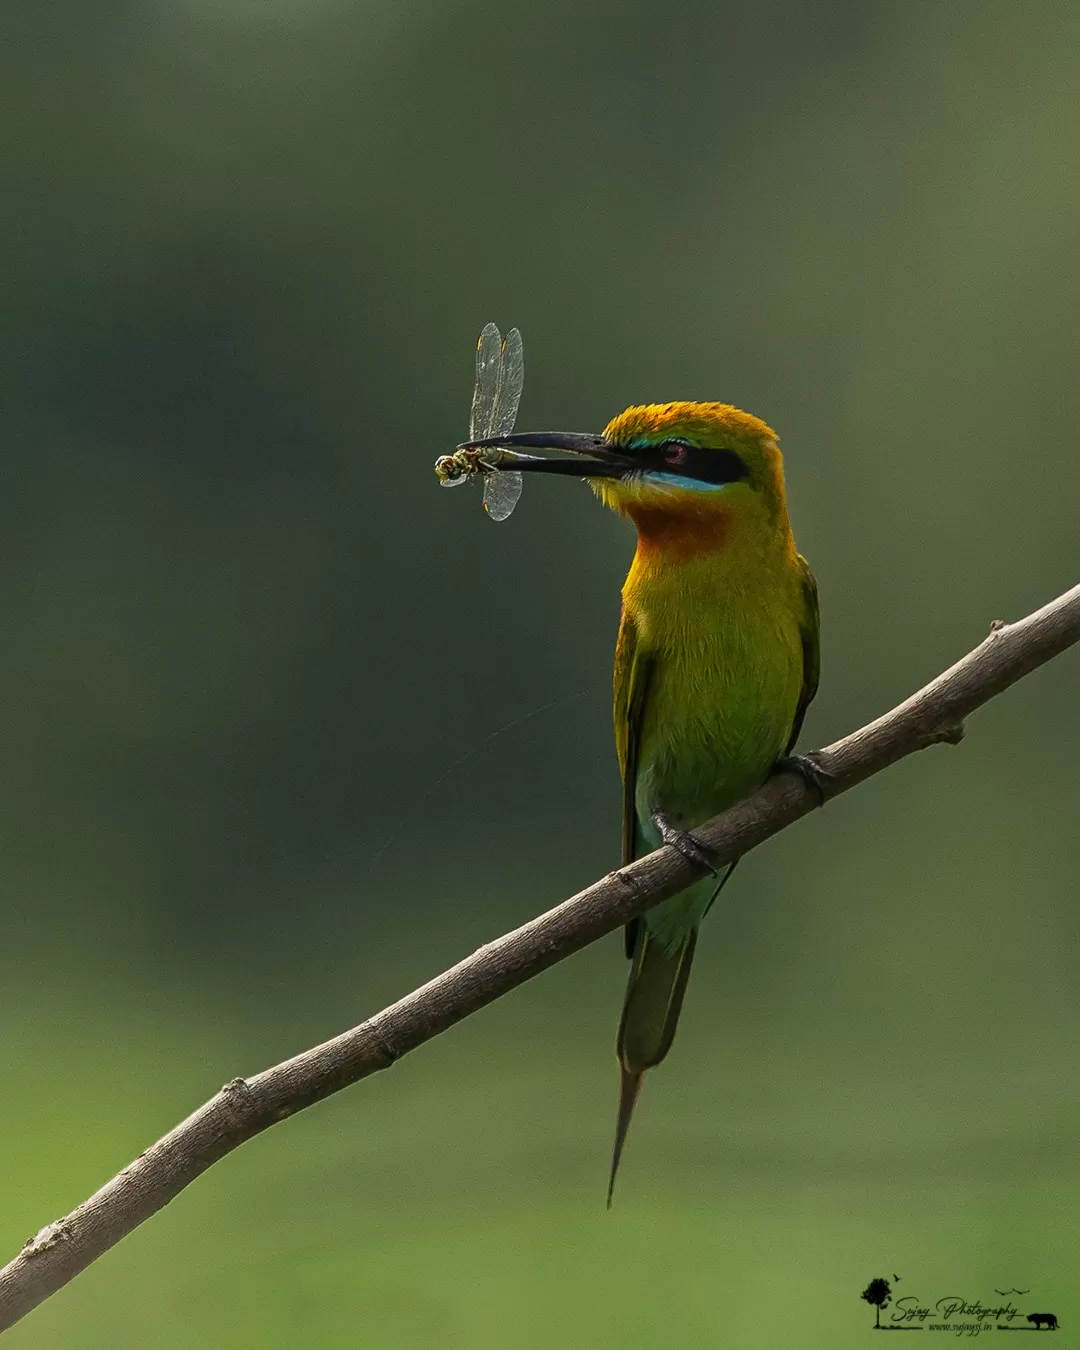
pixel 877 1293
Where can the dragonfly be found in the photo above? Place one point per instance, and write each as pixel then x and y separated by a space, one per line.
pixel 500 375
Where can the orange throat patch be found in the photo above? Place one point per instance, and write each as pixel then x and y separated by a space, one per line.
pixel 683 531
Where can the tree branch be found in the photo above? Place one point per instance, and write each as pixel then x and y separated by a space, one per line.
pixel 244 1108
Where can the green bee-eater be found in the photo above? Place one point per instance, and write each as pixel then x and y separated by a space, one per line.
pixel 715 665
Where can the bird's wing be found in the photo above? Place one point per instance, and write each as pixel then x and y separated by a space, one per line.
pixel 810 632
pixel 633 668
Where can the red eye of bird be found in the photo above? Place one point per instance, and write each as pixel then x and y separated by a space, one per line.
pixel 675 452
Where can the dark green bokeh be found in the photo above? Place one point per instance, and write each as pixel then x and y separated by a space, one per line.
pixel 252 656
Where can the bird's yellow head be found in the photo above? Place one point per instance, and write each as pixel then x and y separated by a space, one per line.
pixel 695 458
pixel 685 473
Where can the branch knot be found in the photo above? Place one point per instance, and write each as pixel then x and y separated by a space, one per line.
pixel 238 1100
pixel 389 1049
pixel 626 879
pixel 47 1237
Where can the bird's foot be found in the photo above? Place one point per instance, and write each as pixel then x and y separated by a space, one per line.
pixel 810 771
pixel 692 849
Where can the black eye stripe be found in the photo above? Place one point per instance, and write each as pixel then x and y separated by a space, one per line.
pixel 709 465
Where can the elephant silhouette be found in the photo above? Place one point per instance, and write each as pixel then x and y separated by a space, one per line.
pixel 1043 1318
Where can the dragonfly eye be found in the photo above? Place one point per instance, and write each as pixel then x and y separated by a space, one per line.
pixel 675 452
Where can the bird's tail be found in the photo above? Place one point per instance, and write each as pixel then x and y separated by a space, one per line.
pixel 654 996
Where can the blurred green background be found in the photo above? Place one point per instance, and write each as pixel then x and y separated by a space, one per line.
pixel 252 657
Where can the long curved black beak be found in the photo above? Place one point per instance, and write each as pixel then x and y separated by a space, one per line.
pixel 595 457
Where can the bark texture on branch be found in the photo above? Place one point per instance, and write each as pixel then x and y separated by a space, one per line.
pixel 245 1107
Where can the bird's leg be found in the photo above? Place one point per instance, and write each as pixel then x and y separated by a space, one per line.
pixel 809 770
pixel 693 850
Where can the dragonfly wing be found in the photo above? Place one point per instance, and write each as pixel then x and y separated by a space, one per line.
pixel 511 380
pixel 489 364
pixel 500 375
pixel 502 488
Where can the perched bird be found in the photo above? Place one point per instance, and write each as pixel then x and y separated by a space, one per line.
pixel 715 664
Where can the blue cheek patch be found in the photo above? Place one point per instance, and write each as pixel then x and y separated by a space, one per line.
pixel 677 480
